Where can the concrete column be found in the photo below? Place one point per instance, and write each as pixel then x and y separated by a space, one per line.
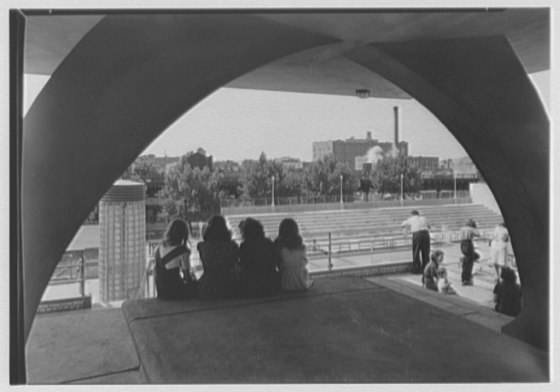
pixel 122 245
pixel 479 90
pixel 125 82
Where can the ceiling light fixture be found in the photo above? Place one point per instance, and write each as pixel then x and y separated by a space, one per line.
pixel 362 93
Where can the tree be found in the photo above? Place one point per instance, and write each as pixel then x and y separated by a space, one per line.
pixel 323 177
pixel 389 172
pixel 141 170
pixel 257 180
pixel 192 194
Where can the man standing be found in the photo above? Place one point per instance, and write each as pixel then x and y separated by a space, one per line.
pixel 419 227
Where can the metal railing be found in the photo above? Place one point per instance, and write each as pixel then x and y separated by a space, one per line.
pixel 329 246
pixel 71 269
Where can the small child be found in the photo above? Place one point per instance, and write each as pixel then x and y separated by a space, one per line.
pixel 443 285
pixel 435 275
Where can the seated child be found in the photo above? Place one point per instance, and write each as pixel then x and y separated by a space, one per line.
pixel 443 285
pixel 431 270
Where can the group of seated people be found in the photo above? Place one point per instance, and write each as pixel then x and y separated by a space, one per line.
pixel 507 292
pixel 258 267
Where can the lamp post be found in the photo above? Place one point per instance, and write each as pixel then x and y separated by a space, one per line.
pixel 341 197
pixel 402 186
pixel 272 178
pixel 454 186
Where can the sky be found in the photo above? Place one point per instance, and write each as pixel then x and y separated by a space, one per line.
pixel 238 124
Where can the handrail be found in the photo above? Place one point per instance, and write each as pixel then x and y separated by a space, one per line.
pixel 144 289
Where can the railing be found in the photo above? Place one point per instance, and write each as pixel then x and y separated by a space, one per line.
pixel 74 265
pixel 335 198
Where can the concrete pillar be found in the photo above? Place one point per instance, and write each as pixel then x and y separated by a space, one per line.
pixel 480 91
pixel 122 246
pixel 124 83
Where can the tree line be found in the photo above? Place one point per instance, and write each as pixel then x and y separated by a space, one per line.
pixel 196 194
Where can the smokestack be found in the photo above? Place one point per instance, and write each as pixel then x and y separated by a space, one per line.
pixel 368 135
pixel 396 109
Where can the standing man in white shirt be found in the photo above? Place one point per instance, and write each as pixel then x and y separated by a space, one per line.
pixel 419 226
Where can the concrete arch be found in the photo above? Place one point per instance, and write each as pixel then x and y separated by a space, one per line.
pixel 106 102
pixel 478 88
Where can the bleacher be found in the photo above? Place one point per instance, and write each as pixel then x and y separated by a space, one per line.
pixel 375 223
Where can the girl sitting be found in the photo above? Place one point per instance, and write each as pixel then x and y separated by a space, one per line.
pixel 173 277
pixel 293 258
pixel 258 261
pixel 219 255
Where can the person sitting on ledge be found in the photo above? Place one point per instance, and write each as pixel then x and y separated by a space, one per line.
pixel 434 271
pixel 219 255
pixel 258 261
pixel 507 293
pixel 173 276
pixel 293 258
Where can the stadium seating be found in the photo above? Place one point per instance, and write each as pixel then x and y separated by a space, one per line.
pixel 374 222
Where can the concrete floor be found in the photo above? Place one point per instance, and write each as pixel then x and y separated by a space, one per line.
pixel 345 330
pixel 95 347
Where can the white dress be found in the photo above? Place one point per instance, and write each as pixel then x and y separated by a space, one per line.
pixel 293 270
pixel 498 249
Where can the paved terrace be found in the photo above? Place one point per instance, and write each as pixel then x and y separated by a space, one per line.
pixel 387 329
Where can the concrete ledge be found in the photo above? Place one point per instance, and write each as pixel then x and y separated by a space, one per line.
pixel 345 329
pixel 64 304
pixel 450 303
pixel 367 270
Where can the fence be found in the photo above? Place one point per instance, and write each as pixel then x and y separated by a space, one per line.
pixel 70 270
pixel 75 267
pixel 252 209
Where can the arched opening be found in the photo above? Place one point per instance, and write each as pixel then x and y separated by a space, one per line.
pixel 102 116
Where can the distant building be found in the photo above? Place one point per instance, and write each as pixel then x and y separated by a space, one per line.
pixel 424 163
pixel 159 162
pixel 200 160
pixel 227 166
pixel 353 151
pixel 450 175
pixel 290 163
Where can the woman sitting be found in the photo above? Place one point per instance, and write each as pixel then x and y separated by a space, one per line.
pixel 293 258
pixel 219 256
pixel 258 261
pixel 173 276
pixel 507 293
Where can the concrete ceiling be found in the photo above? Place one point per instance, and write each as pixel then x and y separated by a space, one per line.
pixel 325 70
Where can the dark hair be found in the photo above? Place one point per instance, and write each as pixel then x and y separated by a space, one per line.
pixel 508 275
pixel 217 230
pixel 414 212
pixel 288 235
pixel 435 255
pixel 177 233
pixel 471 223
pixel 251 229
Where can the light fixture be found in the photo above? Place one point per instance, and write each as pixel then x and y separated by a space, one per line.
pixel 362 93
